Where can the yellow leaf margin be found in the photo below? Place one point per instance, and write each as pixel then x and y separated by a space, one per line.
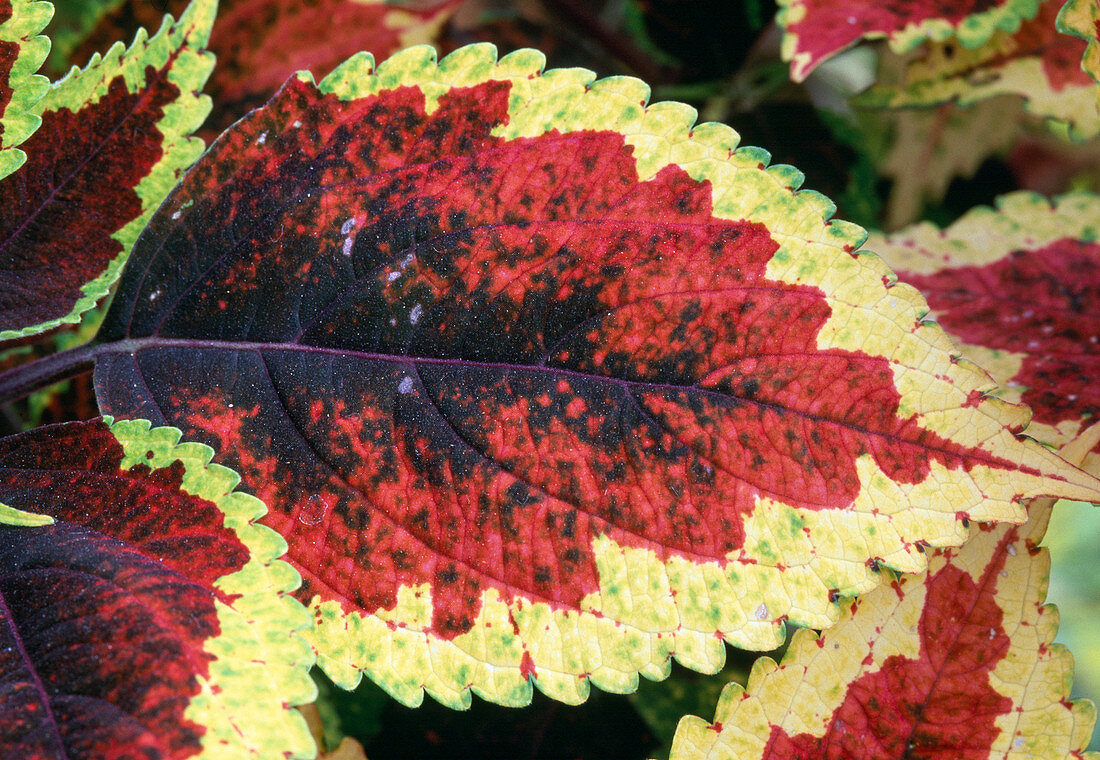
pixel 801 694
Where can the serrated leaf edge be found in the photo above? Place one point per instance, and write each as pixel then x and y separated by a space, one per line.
pixel 1020 220
pixel 28 18
pixel 974 31
pixel 185 39
pixel 260 664
pixel 696 738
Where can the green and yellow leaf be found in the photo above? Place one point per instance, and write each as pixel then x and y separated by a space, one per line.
pixel 1082 18
pixel 957 662
pixel 113 141
pixel 22 51
pixel 174 597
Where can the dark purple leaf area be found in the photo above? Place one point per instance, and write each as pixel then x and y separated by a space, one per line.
pixel 1043 303
pixel 100 648
pixel 73 472
pixel 77 188
pixel 440 356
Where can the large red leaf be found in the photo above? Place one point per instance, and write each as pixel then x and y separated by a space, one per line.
pixel 152 615
pixel 508 353
pixel 113 140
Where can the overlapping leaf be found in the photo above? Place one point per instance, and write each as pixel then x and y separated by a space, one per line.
pixel 814 30
pixel 1082 18
pixel 546 385
pixel 151 616
pixel 113 142
pixel 22 50
pixel 1019 288
pixel 259 43
pixel 1035 62
pixel 957 662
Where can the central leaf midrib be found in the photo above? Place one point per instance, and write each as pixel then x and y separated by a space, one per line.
pixel 135 345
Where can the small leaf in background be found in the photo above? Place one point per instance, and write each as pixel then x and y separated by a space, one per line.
pixel 1036 63
pixel 930 148
pixel 957 662
pixel 22 50
pixel 259 43
pixel 113 141
pixel 545 385
pixel 814 30
pixel 176 631
pixel 1019 288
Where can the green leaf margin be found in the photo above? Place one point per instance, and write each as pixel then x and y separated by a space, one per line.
pixel 82 87
pixel 260 666
pixel 19 119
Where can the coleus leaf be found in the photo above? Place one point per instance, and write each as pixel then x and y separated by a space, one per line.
pixel 152 614
pixel 1082 18
pixel 545 385
pixel 1035 62
pixel 74 20
pixel 957 662
pixel 815 30
pixel 1019 288
pixel 113 142
pixel 22 51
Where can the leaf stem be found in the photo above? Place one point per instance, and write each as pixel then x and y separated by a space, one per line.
pixel 19 382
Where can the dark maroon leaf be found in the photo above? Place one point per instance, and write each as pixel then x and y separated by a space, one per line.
pixel 101 648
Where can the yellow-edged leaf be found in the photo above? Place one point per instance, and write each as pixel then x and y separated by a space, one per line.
pixel 1019 288
pixel 956 662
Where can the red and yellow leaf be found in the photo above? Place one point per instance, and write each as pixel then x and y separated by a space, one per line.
pixel 1019 288
pixel 957 662
pixel 1036 62
pixel 546 385
pixel 815 30
pixel 113 142
pixel 1082 18
pixel 174 599
pixel 22 51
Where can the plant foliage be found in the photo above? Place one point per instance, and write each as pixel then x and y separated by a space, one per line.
pixel 533 383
